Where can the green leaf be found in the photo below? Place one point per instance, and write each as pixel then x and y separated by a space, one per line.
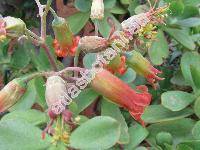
pixel 89 59
pixel 176 100
pixel 141 9
pixel 187 60
pixel 20 135
pixel 162 138
pixel 40 89
pixel 118 10
pixel 131 8
pixel 39 58
pixel 20 57
pixel 189 22
pixel 176 7
pixel 78 20
pixel 195 72
pixel 85 98
pixel 137 135
pixel 110 109
pixel 196 131
pixel 183 147
pixel 181 36
pixel 129 76
pixel 98 133
pixel 158 113
pixel 197 107
pixel 104 27
pixel 179 129
pixel 159 49
pixel 108 4
pixel 194 144
pixel 178 79
pixel 83 5
pixel 31 116
pixel 28 99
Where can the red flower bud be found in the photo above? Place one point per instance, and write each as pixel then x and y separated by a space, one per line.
pixel 143 67
pixel 11 27
pixel 11 93
pixel 65 43
pixel 120 93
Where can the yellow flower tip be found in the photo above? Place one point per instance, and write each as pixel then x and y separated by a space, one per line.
pixel 97 9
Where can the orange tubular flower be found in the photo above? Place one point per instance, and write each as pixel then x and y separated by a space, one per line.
pixel 143 67
pixel 11 93
pixel 120 93
pixel 65 43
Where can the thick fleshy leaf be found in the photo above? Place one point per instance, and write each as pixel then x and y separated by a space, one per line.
pixel 32 116
pixel 196 130
pixel 163 138
pixel 77 21
pixel 195 72
pixel 189 59
pixel 83 5
pixel 159 49
pixel 179 129
pixel 181 36
pixel 137 135
pixel 89 59
pixel 183 147
pixel 189 22
pixel 110 109
pixel 85 98
pixel 21 135
pixel 20 57
pixel 176 100
pixel 97 133
pixel 197 107
pixel 129 76
pixel 104 27
pixel 158 113
pixel 28 99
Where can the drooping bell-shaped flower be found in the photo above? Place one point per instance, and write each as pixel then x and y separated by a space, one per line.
pixel 65 42
pixel 97 9
pixel 11 93
pixel 122 94
pixel 56 95
pixel 143 67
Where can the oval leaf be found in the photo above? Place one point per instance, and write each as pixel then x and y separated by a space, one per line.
pixel 21 135
pixel 98 133
pixel 158 113
pixel 176 100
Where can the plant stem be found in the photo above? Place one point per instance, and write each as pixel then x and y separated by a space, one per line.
pixel 78 51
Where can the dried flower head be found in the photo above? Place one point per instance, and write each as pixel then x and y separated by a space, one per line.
pixel 92 43
pixel 11 93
